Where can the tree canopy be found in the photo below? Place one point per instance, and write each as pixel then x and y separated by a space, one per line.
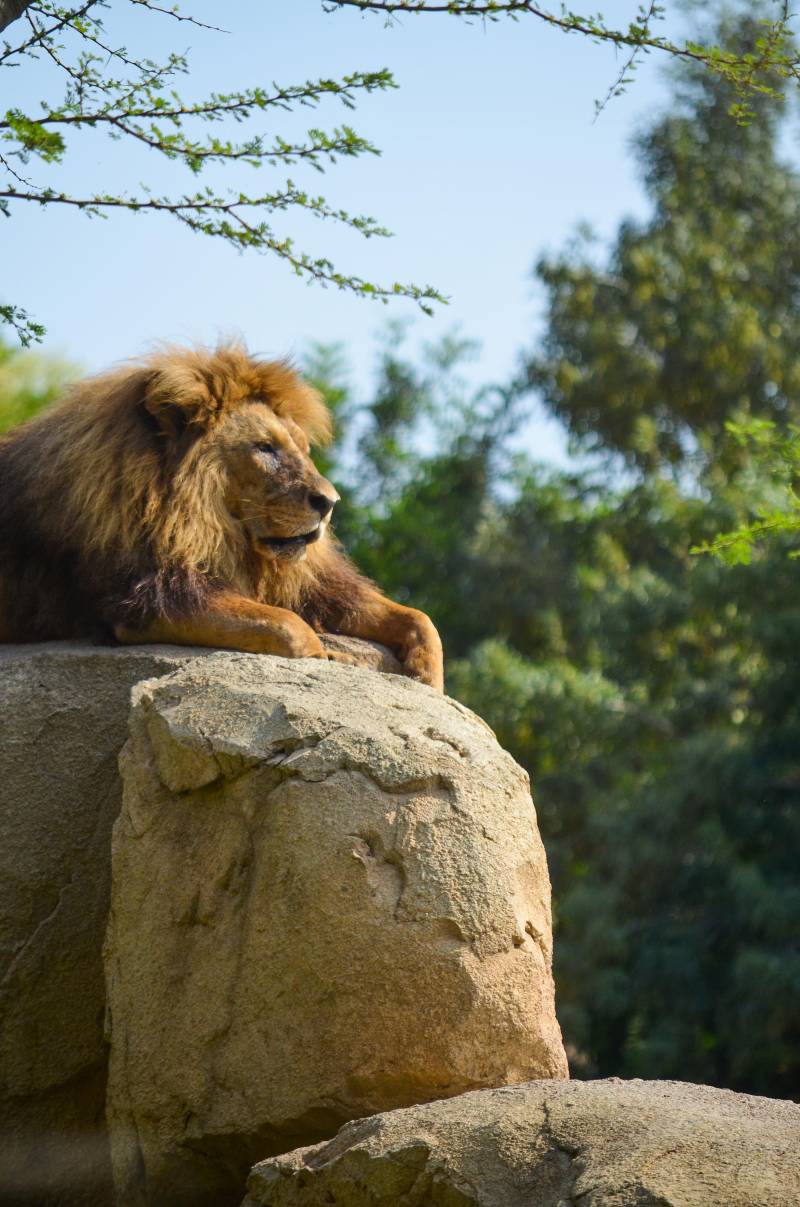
pixel 692 318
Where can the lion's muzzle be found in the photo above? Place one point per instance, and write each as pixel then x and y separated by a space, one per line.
pixel 292 544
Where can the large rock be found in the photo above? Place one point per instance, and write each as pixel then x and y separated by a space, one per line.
pixel 329 898
pixel 63 719
pixel 553 1144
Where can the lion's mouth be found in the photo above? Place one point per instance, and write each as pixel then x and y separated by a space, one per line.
pixel 291 544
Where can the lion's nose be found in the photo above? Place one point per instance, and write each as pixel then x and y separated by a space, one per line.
pixel 324 504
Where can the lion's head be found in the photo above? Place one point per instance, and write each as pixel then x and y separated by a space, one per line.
pixel 272 487
pixel 244 427
pixel 203 456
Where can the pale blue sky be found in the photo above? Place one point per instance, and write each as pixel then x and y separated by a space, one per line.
pixel 491 156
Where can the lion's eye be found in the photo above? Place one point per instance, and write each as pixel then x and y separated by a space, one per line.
pixel 264 446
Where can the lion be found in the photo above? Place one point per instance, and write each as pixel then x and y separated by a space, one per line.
pixel 175 500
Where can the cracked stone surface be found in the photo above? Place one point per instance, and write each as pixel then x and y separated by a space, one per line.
pixel 63 718
pixel 330 898
pixel 553 1144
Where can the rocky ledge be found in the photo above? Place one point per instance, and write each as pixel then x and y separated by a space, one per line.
pixel 553 1144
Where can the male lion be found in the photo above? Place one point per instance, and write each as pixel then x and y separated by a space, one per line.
pixel 175 501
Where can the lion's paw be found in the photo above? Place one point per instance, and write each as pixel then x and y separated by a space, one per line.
pixel 425 665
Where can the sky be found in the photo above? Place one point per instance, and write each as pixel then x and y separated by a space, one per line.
pixel 491 156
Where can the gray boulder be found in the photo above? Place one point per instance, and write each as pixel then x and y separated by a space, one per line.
pixel 63 718
pixel 329 898
pixel 553 1144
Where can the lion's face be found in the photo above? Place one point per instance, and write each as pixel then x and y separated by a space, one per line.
pixel 272 487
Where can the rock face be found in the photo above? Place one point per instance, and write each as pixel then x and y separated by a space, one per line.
pixel 549 1144
pixel 63 719
pixel 329 898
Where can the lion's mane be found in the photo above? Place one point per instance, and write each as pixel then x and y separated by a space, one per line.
pixel 112 510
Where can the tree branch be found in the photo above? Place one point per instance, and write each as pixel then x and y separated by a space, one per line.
pixel 637 34
pixel 624 75
pixel 177 16
pixel 10 10
pixel 214 216
pixel 64 21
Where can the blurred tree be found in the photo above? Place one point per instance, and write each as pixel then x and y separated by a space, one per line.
pixel 29 381
pixel 693 320
pixel 652 696
pixel 415 479
pixel 657 713
pixel 674 820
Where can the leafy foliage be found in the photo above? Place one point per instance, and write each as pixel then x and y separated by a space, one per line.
pixel 776 459
pixel 28 331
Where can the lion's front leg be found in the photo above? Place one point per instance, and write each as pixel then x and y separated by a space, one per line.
pixel 233 622
pixel 410 634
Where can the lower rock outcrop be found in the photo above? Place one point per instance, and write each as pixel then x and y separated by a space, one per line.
pixel 329 898
pixel 549 1144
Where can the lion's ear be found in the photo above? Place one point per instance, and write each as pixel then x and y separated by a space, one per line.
pixel 169 419
pixel 177 399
